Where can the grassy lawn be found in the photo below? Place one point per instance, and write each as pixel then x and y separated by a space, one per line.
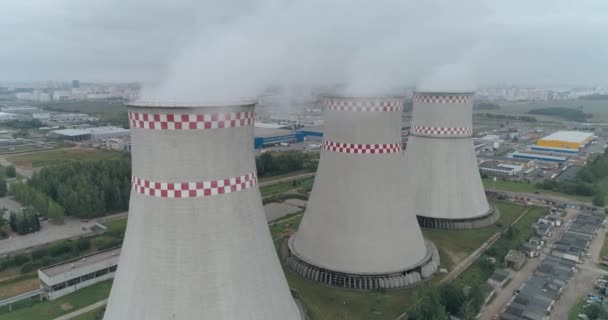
pixel 283 187
pixel 55 157
pixel 332 303
pixel 515 186
pixel 578 308
pixel 48 310
pixel 599 108
pixel 461 243
pixel 19 285
pixel 287 175
pixel 118 224
pixel 476 274
pixel 343 304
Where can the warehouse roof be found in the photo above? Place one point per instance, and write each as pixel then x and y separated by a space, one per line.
pixel 570 136
pixel 71 132
pixel 81 262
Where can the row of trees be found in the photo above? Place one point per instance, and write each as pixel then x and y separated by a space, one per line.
pixel 587 181
pixel 39 201
pixel 87 189
pixel 564 113
pixel 277 163
pixel 25 222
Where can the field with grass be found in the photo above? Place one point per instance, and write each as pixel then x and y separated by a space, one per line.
pixel 331 303
pixel 19 285
pixel 477 274
pixel 283 187
pixel 524 187
pixel 283 176
pixel 48 310
pixel 103 110
pixel 599 108
pixel 61 156
pixel 458 244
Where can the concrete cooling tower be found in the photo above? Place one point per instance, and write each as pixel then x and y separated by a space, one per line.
pixel 354 233
pixel 444 185
pixel 197 245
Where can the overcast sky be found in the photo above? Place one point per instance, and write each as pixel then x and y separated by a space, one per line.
pixel 360 42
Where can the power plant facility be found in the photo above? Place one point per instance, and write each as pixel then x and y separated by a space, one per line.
pixel 197 245
pixel 444 187
pixel 354 233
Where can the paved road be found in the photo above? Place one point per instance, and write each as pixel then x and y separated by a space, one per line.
pixel 83 310
pixel 50 233
pixel 504 295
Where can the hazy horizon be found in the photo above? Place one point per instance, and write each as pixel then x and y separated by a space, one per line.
pixel 237 47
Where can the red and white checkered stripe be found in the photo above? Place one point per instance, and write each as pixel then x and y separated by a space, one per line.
pixel 364 105
pixel 438 131
pixel 443 99
pixel 193 189
pixel 188 121
pixel 361 148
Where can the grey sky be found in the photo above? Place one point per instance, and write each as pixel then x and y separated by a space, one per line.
pixel 366 44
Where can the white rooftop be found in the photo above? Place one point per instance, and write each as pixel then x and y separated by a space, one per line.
pixel 570 136
pixel 97 130
pixel 71 132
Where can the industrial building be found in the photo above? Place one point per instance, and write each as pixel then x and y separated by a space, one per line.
pixel 95 134
pixel 444 187
pixel 354 233
pixel 574 243
pixel 538 157
pixel 197 245
pixel 494 168
pixel 64 278
pixel 268 137
pixel 565 141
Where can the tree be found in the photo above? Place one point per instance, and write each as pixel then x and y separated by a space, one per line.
pixel 598 200
pixel 55 213
pixel 10 171
pixel 452 298
pixel 3 188
pixel 429 308
pixel 13 221
pixel 468 310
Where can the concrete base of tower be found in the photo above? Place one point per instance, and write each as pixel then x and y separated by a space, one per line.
pixel 458 224
pixel 406 278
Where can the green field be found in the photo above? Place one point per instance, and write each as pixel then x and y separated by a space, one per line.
pixel 599 108
pixel 103 110
pixel 524 187
pixel 61 156
pixel 283 187
pixel 332 303
pixel 48 310
pixel 19 285
pixel 282 176
pixel 476 275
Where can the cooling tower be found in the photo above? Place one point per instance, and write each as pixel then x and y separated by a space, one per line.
pixel 445 189
pixel 197 245
pixel 353 233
